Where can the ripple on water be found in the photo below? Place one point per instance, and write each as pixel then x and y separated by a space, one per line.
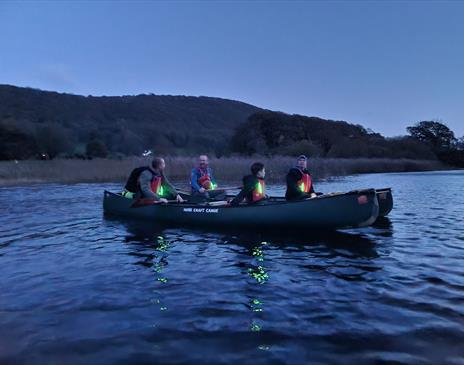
pixel 78 288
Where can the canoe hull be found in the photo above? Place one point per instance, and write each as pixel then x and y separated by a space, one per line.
pixel 385 199
pixel 348 210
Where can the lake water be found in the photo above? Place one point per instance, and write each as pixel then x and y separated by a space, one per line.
pixel 77 288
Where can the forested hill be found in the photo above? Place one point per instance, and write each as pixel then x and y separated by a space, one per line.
pixel 43 124
pixel 56 123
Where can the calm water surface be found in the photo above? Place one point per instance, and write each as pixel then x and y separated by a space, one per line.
pixel 77 288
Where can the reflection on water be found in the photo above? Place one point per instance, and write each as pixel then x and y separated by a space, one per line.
pixel 81 289
pixel 257 271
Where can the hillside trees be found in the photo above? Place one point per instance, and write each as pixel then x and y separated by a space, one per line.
pixel 274 133
pixel 441 139
pixel 434 133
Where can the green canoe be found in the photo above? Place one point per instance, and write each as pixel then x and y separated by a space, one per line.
pixel 384 197
pixel 332 211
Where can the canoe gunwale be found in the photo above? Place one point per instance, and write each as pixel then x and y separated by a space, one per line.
pixel 272 201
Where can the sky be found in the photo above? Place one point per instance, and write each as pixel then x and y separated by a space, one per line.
pixel 382 64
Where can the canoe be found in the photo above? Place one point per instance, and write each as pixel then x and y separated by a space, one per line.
pixel 385 199
pixel 353 209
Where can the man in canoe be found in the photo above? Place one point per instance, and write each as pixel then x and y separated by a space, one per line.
pixel 254 188
pixel 149 182
pixel 299 183
pixel 202 181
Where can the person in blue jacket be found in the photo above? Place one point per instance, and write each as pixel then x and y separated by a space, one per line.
pixel 202 181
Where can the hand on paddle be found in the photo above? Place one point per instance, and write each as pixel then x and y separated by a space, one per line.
pixel 313 195
pixel 178 200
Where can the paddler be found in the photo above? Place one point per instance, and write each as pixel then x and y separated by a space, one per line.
pixel 149 182
pixel 299 182
pixel 254 188
pixel 203 182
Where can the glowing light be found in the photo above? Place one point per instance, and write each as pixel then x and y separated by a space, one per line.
pixel 259 274
pixel 255 327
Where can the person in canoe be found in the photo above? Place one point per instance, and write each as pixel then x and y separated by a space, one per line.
pixel 149 182
pixel 299 183
pixel 254 188
pixel 202 181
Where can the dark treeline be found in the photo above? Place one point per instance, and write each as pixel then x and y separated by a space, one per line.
pixel 275 133
pixel 35 124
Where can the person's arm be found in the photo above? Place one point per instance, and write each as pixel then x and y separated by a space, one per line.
pixel 246 190
pixel 167 185
pixel 239 198
pixel 145 185
pixel 213 180
pixel 292 184
pixel 194 180
pixel 312 191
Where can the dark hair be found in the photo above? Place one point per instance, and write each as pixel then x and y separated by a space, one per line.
pixel 156 163
pixel 257 166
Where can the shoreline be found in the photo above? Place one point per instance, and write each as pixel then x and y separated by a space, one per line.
pixel 230 169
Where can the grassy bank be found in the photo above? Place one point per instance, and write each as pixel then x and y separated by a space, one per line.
pixel 226 169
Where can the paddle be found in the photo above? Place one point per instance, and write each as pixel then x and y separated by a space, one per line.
pixel 144 202
pixel 218 203
pixel 185 192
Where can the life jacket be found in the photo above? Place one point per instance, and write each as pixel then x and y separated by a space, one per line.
pixel 133 180
pixel 157 186
pixel 259 191
pixel 304 184
pixel 205 180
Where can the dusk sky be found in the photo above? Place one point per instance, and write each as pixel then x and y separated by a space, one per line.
pixel 384 65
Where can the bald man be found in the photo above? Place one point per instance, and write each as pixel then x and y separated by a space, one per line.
pixel 202 180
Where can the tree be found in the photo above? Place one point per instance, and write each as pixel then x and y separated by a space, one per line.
pixel 460 144
pixel 303 147
pixel 96 148
pixel 437 134
pixel 16 145
pixel 53 139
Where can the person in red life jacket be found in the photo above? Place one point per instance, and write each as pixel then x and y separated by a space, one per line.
pixel 201 178
pixel 254 188
pixel 204 186
pixel 149 182
pixel 299 183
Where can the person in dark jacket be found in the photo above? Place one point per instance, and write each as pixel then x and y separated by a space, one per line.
pixel 299 183
pixel 254 188
pixel 149 182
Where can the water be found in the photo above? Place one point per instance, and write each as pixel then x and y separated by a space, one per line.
pixel 77 288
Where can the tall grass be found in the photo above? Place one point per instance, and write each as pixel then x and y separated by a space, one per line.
pixel 229 169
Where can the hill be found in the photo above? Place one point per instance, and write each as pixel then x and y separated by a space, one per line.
pixel 275 133
pixel 37 123
pixel 34 121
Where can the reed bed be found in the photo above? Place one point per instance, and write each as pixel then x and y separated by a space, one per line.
pixel 230 169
